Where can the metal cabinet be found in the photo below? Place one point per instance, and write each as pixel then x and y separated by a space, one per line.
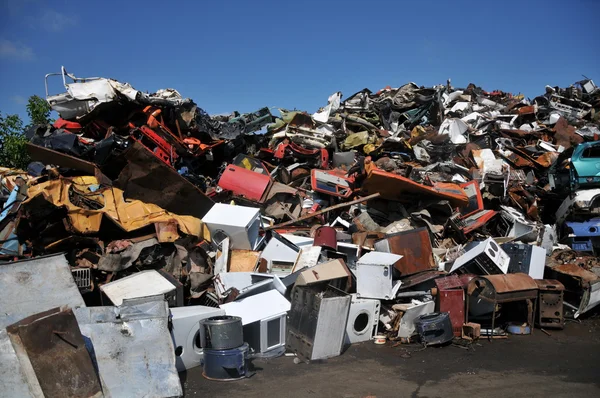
pixel 374 276
pixel 317 322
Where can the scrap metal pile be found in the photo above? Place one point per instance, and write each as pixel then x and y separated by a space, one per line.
pixel 416 214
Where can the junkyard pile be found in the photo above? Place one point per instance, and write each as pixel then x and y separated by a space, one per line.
pixel 415 214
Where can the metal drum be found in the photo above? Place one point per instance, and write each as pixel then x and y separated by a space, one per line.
pixel 221 332
pixel 435 328
pixel 226 365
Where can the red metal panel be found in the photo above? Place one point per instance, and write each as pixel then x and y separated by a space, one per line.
pixel 453 302
pixel 244 182
pixel 449 282
pixel 326 237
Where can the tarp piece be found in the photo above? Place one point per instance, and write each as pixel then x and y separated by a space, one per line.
pixel 32 286
pixel 149 179
pixel 132 348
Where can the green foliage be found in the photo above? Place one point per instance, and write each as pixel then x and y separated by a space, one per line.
pixel 12 142
pixel 38 110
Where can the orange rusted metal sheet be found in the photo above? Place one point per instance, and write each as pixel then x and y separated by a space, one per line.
pixel 576 271
pixel 526 110
pixel 415 248
pixel 509 287
pixel 395 187
pixel 546 160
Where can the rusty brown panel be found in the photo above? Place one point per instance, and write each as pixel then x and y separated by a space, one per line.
pixel 415 248
pixel 56 349
pixel 546 160
pixel 499 288
pixel 516 159
pixel 526 110
pixel 564 134
pixel 550 284
pixel 576 271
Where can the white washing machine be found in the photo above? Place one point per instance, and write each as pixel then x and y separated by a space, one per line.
pixel 185 333
pixel 362 319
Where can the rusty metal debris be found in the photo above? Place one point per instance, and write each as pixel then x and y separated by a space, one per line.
pixel 384 205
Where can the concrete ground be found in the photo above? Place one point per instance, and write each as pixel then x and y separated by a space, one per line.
pixel 565 364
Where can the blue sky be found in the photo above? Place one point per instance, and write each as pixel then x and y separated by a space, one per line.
pixel 242 55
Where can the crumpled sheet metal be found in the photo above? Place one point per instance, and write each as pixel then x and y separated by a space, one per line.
pixel 115 262
pixel 132 347
pixel 32 286
pixel 129 215
pixel 564 134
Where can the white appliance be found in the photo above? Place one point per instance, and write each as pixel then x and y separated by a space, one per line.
pixel 267 335
pixel 185 333
pixel 280 254
pixel 264 317
pixel 260 306
pixel 374 276
pixel 528 259
pixel 141 284
pixel 362 320
pixel 485 257
pixel 240 224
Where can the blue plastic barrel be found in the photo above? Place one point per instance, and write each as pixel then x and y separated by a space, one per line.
pixel 226 365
